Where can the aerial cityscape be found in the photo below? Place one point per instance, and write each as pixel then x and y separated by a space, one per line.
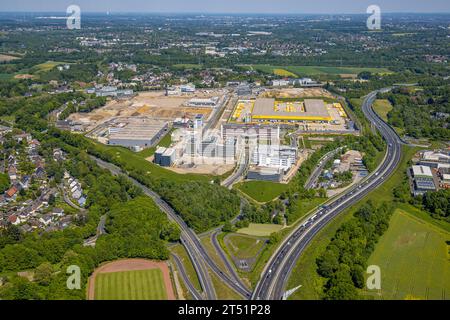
pixel 238 152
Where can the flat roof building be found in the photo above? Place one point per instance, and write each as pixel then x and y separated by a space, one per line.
pixel 144 134
pixel 270 109
pixel 423 180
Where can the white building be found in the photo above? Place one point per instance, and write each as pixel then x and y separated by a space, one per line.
pixel 274 156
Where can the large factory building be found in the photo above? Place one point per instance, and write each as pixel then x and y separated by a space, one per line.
pixel 272 110
pixel 143 135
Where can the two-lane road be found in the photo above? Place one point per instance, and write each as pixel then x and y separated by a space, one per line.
pixel 276 273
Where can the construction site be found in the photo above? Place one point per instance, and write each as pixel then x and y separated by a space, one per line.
pixel 309 113
pixel 140 121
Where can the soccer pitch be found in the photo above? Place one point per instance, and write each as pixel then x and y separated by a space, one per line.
pixel 131 285
pixel 413 258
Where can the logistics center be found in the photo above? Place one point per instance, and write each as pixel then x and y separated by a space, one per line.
pixel 269 109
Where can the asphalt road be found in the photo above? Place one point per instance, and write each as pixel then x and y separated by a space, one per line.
pixel 186 234
pixel 182 271
pixel 226 261
pixel 198 254
pixel 276 274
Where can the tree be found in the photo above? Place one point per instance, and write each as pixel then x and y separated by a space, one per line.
pixel 43 273
pixel 4 182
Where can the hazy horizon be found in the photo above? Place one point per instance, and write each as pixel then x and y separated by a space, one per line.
pixel 230 7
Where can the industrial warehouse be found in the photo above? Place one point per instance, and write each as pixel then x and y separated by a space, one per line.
pixel 269 109
pixel 308 114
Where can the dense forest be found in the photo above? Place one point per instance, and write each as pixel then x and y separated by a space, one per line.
pixel 344 261
pixel 424 112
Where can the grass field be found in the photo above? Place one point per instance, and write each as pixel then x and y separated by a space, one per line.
pixel 244 247
pixel 382 108
pixel 130 285
pixel 184 66
pixel 260 230
pixel 262 191
pixel 318 70
pixel 413 258
pixel 46 66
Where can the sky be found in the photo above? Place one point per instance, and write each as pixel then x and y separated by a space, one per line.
pixel 228 6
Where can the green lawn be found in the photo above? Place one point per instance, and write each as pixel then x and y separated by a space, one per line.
pixel 260 230
pixel 262 191
pixel 131 285
pixel 318 70
pixel 382 107
pixel 305 206
pixel 46 66
pixel 244 247
pixel 413 259
pixel 304 272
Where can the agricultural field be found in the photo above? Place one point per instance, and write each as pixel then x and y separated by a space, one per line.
pixel 283 73
pixel 262 191
pixel 260 230
pixel 131 279
pixel 304 272
pixel 302 71
pixel 7 57
pixel 409 248
pixel 44 67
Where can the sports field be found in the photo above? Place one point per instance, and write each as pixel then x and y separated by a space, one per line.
pixel 413 258
pixel 130 285
pixel 131 279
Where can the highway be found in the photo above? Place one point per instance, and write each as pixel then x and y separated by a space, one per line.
pixel 186 238
pixel 276 273
pixel 190 241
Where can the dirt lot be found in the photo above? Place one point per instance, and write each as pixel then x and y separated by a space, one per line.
pixel 132 265
pixel 154 105
pixel 7 58
pixel 216 170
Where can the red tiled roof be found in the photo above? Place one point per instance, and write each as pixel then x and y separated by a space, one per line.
pixel 11 192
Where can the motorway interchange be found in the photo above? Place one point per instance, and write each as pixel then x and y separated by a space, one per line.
pixel 274 278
